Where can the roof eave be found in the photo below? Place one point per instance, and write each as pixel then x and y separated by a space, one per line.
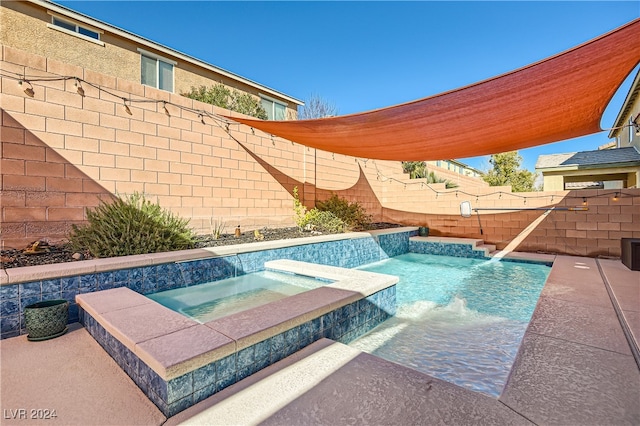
pixel 631 95
pixel 159 47
pixel 588 166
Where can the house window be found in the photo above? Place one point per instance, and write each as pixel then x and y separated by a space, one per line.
pixel 275 110
pixel 156 71
pixel 72 28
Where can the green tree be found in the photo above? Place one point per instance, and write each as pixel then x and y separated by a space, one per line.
pixel 232 99
pixel 506 171
pixel 416 169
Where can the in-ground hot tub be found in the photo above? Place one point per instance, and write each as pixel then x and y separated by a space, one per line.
pixel 178 361
pixel 209 301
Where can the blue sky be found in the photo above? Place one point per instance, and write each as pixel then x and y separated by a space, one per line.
pixel 366 55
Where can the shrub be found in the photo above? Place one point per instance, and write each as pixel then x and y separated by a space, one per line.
pixel 232 99
pixel 315 219
pixel 131 225
pixel 353 214
pixel 323 221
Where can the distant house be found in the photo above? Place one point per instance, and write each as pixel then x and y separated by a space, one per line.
pixel 606 169
pixel 626 128
pixel 614 165
pixel 456 166
pixel 54 31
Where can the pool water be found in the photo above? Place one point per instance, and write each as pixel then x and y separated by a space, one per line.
pixel 460 320
pixel 213 300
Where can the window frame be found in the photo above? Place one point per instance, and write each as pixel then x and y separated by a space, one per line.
pixel 77 26
pixel 159 59
pixel 274 102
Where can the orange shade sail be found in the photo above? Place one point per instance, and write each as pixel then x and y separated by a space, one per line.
pixel 558 98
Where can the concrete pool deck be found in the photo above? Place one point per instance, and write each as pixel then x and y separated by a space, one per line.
pixel 575 366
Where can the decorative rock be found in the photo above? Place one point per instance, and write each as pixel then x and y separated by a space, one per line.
pixel 77 256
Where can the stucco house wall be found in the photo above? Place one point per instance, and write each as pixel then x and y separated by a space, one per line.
pixel 26 26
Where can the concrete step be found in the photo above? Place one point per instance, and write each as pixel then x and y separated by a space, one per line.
pixel 488 248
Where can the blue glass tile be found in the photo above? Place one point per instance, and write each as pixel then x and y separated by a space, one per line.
pixel 226 367
pixel 135 280
pixel 121 276
pixel 52 286
pixel 9 292
pixel 245 372
pixel 277 356
pixel 69 295
pixel 329 333
pixel 24 302
pixel 149 279
pixel 184 274
pixel 225 382
pixel 204 392
pixel 70 283
pixel 328 319
pixel 305 330
pixel 316 325
pixel 135 274
pixel 262 350
pixel 291 336
pixel 306 341
pixel 158 401
pixel 88 282
pixel 9 334
pixel 245 357
pixel 277 343
pixel 292 349
pixel 341 314
pixel 9 307
pixel 205 376
pixel 30 289
pixel 262 363
pixel 153 381
pixel 73 313
pixel 10 324
pixel 179 387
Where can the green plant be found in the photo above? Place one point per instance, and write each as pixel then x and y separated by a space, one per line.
pixel 353 214
pixel 220 95
pixel 217 227
pixel 131 225
pixel 323 221
pixel 432 178
pixel 506 171
pixel 315 219
pixel 299 210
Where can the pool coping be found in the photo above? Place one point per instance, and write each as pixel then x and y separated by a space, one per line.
pixel 119 311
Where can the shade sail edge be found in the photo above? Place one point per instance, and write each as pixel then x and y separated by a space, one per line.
pixel 561 97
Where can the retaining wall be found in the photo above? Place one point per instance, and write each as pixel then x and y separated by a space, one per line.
pixel 62 152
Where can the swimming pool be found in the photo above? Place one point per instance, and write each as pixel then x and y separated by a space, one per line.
pixel 216 299
pixel 458 319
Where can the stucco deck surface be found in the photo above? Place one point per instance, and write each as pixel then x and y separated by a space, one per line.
pixel 75 377
pixel 574 367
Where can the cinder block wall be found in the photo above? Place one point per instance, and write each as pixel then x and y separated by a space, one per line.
pixel 63 152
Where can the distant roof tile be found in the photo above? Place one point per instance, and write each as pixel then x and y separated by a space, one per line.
pixel 589 158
